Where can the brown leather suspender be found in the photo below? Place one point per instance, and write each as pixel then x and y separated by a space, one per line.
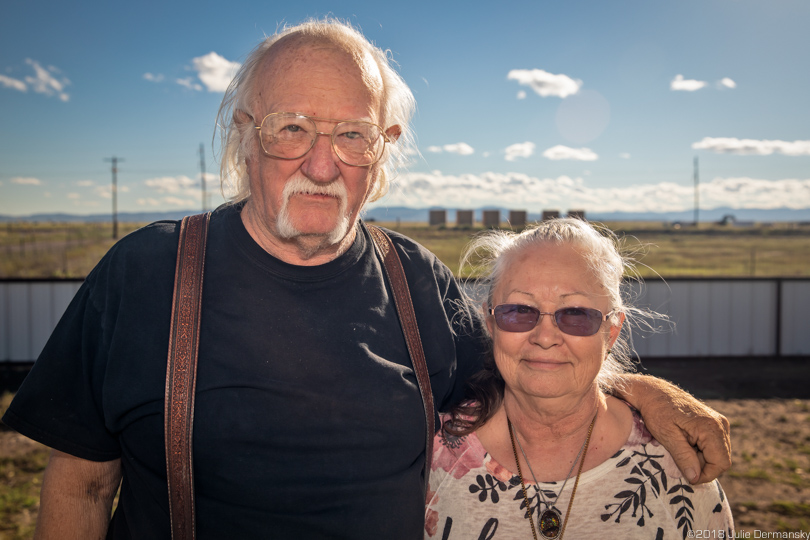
pixel 407 318
pixel 181 374
pixel 181 370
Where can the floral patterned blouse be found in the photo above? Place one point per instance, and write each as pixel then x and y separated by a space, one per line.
pixel 637 493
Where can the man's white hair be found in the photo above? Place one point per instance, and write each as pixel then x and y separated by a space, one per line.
pixel 238 139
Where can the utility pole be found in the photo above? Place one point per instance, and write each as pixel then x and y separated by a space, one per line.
pixel 114 161
pixel 697 192
pixel 202 174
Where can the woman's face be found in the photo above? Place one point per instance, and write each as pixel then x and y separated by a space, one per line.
pixel 545 362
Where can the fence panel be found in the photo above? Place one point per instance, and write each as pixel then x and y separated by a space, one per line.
pixel 794 321
pixel 29 311
pixel 712 317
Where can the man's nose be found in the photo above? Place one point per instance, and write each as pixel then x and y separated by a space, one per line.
pixel 321 162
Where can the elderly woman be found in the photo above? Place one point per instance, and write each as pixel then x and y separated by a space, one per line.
pixel 543 449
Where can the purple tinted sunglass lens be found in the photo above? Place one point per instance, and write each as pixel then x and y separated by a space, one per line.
pixel 579 322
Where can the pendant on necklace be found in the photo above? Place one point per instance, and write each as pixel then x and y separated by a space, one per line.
pixel 549 522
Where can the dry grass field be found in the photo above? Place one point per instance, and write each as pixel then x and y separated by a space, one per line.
pixel 780 250
pixel 54 250
pixel 29 250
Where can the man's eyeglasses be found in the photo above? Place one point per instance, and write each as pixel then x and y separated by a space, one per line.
pixel 574 321
pixel 291 135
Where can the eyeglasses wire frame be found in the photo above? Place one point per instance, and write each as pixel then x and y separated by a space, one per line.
pixel 331 136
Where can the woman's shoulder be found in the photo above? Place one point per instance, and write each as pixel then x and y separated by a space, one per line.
pixel 456 453
pixel 643 464
pixel 643 451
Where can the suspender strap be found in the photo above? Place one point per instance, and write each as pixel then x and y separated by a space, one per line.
pixel 407 318
pixel 181 373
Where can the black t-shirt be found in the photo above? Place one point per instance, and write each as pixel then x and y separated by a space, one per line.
pixel 308 419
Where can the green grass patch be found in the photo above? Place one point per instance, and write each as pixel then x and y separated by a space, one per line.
pixel 752 474
pixel 19 493
pixel 790 508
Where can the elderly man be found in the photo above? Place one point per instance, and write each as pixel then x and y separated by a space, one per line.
pixel 307 421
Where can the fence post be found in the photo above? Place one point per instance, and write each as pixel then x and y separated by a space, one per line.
pixel 778 317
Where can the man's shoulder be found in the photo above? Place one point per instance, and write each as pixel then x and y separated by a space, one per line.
pixel 141 254
pixel 410 248
pixel 149 241
pixel 151 251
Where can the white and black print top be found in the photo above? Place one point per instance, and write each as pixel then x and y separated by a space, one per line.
pixel 637 493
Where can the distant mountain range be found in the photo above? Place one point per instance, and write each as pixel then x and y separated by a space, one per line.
pixel 401 213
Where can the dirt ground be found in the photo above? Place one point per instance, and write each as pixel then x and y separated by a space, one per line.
pixel 767 401
pixel 768 485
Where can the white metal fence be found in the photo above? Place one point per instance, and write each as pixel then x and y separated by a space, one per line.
pixel 29 311
pixel 712 317
pixel 720 317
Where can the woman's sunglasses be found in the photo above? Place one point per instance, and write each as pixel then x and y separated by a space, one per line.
pixel 574 321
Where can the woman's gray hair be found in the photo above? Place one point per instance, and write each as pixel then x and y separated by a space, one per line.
pixel 237 139
pixel 489 255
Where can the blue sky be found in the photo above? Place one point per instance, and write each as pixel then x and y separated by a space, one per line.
pixel 528 105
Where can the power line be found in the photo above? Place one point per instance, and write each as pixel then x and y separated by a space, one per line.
pixel 697 192
pixel 114 161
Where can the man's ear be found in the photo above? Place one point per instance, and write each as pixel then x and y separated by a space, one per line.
pixel 393 133
pixel 242 117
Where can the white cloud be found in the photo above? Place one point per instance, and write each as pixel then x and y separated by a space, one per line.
pixel 73 196
pixel 177 201
pixel 544 83
pixel 26 181
pixel 46 82
pixel 753 147
pixel 624 155
pixel 726 82
pixel 152 77
pixel 519 150
pixel 747 192
pixel 105 192
pixel 517 190
pixel 189 83
pixel 172 184
pixel 214 71
pixel 521 94
pixel 462 149
pixel 563 152
pixel 148 202
pixel 687 85
pixel 85 183
pixel 15 84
